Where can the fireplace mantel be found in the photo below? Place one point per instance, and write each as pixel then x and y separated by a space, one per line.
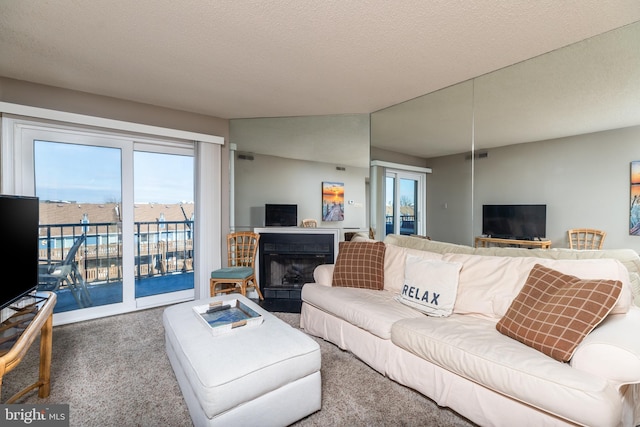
pixel 304 230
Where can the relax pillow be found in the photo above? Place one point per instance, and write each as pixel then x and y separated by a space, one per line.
pixel 430 285
pixel 394 265
pixel 554 311
pixel 360 265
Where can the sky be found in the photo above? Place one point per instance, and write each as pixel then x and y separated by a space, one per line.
pixel 407 190
pixel 89 174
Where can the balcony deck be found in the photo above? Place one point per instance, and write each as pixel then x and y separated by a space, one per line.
pixel 163 259
pixel 111 293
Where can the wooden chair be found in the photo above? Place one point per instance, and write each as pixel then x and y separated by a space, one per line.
pixel 586 238
pixel 240 274
pixel 309 223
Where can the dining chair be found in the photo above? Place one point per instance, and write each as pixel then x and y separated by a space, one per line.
pixel 309 223
pixel 586 238
pixel 239 275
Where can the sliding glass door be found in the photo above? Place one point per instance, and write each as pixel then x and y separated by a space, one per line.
pixel 116 219
pixel 80 192
pixel 164 214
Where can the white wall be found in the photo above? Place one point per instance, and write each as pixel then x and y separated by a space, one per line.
pixel 449 196
pixel 340 139
pixel 269 179
pixel 584 180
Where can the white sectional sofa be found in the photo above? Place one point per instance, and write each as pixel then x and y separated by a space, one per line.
pixel 463 362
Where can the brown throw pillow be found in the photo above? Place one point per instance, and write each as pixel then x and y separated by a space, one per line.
pixel 554 311
pixel 360 265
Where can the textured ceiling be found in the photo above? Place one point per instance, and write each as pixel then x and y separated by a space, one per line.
pixel 587 87
pixel 261 58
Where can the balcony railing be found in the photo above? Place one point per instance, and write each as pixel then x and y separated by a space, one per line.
pixel 161 247
pixel 407 224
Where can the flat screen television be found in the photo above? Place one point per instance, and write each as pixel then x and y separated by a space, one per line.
pixel 19 230
pixel 280 215
pixel 522 222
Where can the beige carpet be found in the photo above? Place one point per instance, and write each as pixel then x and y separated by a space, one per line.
pixel 115 372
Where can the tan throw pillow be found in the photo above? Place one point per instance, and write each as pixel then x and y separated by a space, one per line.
pixel 430 285
pixel 360 265
pixel 554 311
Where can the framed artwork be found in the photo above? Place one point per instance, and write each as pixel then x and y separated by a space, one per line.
pixel 634 207
pixel 332 201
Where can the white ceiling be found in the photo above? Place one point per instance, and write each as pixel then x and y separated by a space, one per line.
pixel 278 58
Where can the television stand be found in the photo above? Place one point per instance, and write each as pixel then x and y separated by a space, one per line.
pixel 485 242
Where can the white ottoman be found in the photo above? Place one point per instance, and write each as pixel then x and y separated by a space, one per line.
pixel 267 375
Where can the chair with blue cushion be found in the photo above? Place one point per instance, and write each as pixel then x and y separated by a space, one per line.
pixel 240 274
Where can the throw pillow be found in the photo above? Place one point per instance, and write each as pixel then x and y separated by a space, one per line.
pixel 430 285
pixel 394 265
pixel 360 265
pixel 554 311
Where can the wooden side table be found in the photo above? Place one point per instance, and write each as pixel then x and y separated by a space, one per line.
pixel 18 332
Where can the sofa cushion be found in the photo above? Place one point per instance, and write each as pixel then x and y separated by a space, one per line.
pixel 371 310
pixel 554 311
pixel 629 257
pixel 361 236
pixel 634 278
pixel 488 284
pixel 426 244
pixel 474 349
pixel 430 285
pixel 394 265
pixel 360 265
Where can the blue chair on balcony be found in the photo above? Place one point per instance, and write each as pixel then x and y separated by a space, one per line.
pixel 53 276
pixel 240 274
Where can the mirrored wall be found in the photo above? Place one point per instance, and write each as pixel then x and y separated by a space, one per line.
pixel 560 129
pixel 286 160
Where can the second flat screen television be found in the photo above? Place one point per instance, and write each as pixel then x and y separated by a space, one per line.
pixel 522 222
pixel 278 215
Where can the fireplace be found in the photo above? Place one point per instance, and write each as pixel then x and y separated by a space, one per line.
pixel 286 261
